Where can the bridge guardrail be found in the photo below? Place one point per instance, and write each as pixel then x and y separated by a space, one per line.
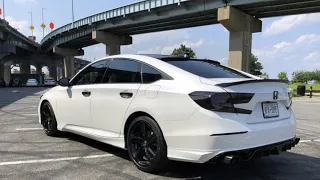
pixel 117 12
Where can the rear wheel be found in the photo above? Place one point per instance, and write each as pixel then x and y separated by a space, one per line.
pixel 146 145
pixel 48 120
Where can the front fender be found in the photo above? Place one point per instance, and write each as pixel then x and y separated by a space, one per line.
pixel 48 96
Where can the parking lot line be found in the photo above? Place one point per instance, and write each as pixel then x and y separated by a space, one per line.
pixel 53 160
pixel 305 141
pixel 28 129
pixel 30 114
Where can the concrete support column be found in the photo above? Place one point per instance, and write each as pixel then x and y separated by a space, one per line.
pixel 25 68
pixel 69 66
pixel 6 74
pixel 38 68
pixel 113 49
pixel 59 73
pixel 1 70
pixel 53 71
pixel 68 59
pixel 112 41
pixel 241 26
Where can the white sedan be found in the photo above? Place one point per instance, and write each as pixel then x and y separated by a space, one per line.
pixel 48 81
pixel 162 108
pixel 32 82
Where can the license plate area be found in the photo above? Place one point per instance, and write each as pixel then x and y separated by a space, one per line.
pixel 270 109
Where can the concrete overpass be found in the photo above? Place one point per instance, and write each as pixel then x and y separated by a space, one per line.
pixel 18 50
pixel 13 43
pixel 115 27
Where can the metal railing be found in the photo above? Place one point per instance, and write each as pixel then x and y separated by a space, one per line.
pixel 117 12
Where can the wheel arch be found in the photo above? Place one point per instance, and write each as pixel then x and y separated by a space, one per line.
pixel 129 120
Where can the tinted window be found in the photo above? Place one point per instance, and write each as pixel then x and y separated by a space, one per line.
pixel 123 71
pixel 92 74
pixel 149 74
pixel 206 69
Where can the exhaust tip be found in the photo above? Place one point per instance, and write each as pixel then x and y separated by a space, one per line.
pixel 231 159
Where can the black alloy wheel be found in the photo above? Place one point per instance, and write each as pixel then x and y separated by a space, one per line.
pixel 146 145
pixel 48 120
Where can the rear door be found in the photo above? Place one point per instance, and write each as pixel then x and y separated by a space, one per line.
pixel 111 99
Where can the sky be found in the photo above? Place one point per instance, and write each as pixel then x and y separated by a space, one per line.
pixel 287 43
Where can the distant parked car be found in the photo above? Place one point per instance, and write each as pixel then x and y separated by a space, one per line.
pixel 2 83
pixel 15 82
pixel 49 81
pixel 32 82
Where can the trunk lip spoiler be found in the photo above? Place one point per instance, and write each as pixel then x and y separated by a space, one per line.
pixel 251 81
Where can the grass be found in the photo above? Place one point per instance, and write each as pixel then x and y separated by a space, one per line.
pixel 314 86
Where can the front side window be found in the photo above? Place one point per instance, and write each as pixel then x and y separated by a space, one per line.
pixel 123 71
pixel 149 74
pixel 93 74
pixel 205 69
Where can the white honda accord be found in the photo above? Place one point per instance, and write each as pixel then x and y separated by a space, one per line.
pixel 163 108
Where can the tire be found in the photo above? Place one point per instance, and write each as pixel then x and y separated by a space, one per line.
pixel 151 145
pixel 48 120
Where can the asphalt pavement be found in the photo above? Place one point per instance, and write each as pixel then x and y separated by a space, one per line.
pixel 27 153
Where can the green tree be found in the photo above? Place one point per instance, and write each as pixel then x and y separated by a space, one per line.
pixel 255 67
pixel 283 75
pixel 264 75
pixel 184 49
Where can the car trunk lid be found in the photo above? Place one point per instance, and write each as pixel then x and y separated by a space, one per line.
pixel 271 99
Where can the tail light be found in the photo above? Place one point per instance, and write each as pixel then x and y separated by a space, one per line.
pixel 222 101
pixel 290 94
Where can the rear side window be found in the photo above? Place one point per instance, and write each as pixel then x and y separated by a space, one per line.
pixel 123 71
pixel 149 74
pixel 206 69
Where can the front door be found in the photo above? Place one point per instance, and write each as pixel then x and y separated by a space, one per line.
pixel 74 106
pixel 111 99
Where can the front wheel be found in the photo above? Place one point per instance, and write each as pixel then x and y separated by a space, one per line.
pixel 146 145
pixel 48 120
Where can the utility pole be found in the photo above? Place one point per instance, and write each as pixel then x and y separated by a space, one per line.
pixel 4 16
pixel 31 26
pixel 72 11
pixel 43 25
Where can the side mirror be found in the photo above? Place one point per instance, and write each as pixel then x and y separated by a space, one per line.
pixel 64 82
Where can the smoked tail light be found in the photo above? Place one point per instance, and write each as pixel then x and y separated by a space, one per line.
pixel 222 101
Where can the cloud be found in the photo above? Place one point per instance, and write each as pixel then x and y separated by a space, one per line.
pixel 25 1
pixel 21 26
pixel 281 45
pixel 289 22
pixel 170 36
pixel 192 45
pixel 309 38
pixel 312 57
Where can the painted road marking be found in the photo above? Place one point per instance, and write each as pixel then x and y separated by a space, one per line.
pixel 30 114
pixel 305 141
pixel 53 160
pixel 28 129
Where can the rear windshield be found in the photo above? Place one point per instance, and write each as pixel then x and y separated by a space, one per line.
pixel 205 69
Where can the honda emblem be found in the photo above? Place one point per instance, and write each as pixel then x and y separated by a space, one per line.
pixel 275 94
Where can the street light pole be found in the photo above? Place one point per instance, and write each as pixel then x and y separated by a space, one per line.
pixel 72 12
pixel 31 23
pixel 43 22
pixel 4 16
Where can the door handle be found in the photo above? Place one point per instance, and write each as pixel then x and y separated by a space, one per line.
pixel 86 93
pixel 126 95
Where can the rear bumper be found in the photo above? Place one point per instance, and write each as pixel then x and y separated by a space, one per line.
pixel 210 138
pixel 262 151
